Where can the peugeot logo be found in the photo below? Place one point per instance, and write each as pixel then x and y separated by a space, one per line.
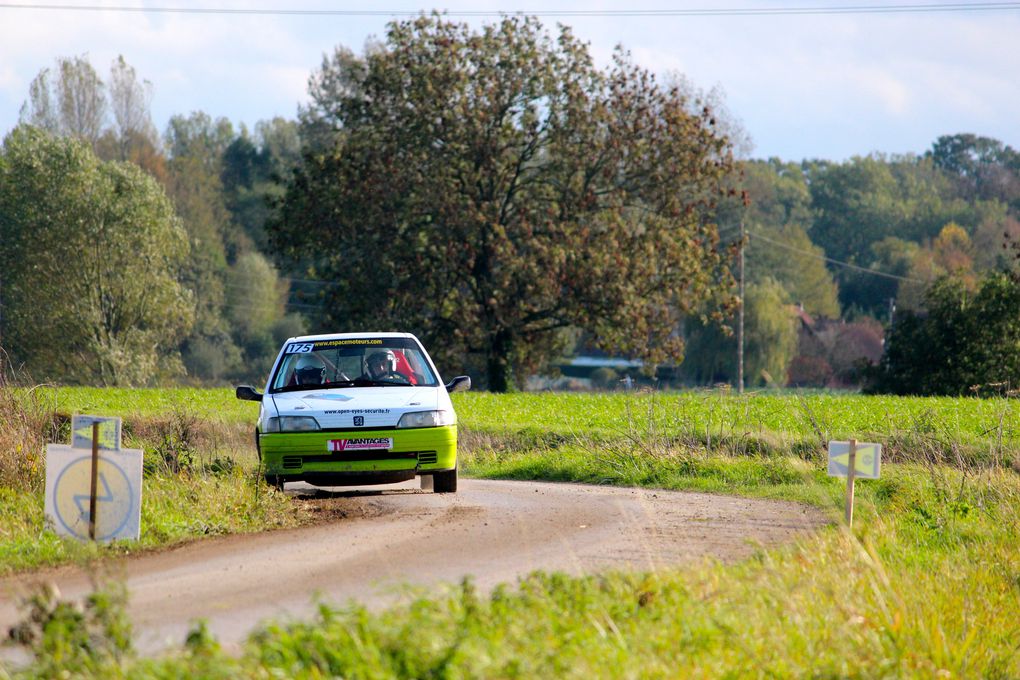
pixel 359 421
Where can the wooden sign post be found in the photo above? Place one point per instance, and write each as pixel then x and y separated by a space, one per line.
pixel 95 481
pixel 850 483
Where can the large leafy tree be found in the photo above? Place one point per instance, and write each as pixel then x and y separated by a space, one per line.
pixel 255 308
pixel 778 247
pixel 776 219
pixel 981 167
pixel 488 189
pixel 70 101
pixel 771 333
pixel 90 254
pixel 222 183
pixel 787 256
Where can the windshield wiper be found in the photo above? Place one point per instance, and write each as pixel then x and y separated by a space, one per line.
pixel 367 382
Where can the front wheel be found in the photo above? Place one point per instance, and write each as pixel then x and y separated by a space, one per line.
pixel 445 482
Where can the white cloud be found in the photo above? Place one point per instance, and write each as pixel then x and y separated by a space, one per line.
pixel 881 88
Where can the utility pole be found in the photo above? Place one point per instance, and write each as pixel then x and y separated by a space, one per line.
pixel 740 317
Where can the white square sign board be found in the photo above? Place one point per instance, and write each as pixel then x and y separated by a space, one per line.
pixel 118 492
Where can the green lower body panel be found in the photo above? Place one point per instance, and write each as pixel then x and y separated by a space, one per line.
pixel 358 457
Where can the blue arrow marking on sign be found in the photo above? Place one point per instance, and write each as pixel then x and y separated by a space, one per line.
pixel 82 499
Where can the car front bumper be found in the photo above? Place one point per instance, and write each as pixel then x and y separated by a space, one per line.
pixel 307 456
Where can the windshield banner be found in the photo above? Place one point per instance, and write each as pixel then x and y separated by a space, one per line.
pixel 305 347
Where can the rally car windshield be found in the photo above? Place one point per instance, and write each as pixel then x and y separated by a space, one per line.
pixel 352 362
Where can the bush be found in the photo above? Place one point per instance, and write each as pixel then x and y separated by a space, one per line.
pixel 967 339
pixel 809 372
pixel 25 427
pixel 90 638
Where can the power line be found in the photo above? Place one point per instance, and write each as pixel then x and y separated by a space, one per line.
pixel 908 8
pixel 838 263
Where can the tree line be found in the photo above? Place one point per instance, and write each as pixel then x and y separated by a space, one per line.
pixel 497 193
pixel 864 242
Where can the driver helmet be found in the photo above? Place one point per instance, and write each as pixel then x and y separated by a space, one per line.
pixel 382 363
pixel 309 370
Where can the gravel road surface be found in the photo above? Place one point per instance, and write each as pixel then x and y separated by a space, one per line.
pixel 373 542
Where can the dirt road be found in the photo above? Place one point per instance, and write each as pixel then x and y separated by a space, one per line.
pixel 377 541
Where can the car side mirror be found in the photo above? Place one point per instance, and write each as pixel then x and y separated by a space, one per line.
pixel 247 393
pixel 462 383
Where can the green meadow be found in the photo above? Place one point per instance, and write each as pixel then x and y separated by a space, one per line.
pixel 927 584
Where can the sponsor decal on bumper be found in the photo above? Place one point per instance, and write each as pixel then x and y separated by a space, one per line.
pixel 364 444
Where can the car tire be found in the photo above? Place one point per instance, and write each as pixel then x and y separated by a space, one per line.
pixel 445 482
pixel 275 481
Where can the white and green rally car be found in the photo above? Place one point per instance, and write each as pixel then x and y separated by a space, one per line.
pixel 356 408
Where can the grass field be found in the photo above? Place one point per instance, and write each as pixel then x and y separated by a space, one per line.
pixel 791 414
pixel 980 429
pixel 926 585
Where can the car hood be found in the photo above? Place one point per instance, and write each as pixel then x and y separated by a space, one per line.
pixel 366 407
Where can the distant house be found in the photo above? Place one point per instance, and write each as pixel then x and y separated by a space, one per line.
pixel 832 352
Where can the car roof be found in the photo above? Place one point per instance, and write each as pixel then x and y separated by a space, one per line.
pixel 348 336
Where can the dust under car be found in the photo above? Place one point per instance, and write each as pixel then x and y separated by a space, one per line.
pixel 354 408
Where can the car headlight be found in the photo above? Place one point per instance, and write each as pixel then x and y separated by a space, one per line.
pixel 291 424
pixel 427 419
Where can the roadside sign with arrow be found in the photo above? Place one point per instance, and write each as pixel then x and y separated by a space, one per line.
pixel 109 432
pixel 853 460
pixel 867 461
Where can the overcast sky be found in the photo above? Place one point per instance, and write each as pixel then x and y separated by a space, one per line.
pixel 804 85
